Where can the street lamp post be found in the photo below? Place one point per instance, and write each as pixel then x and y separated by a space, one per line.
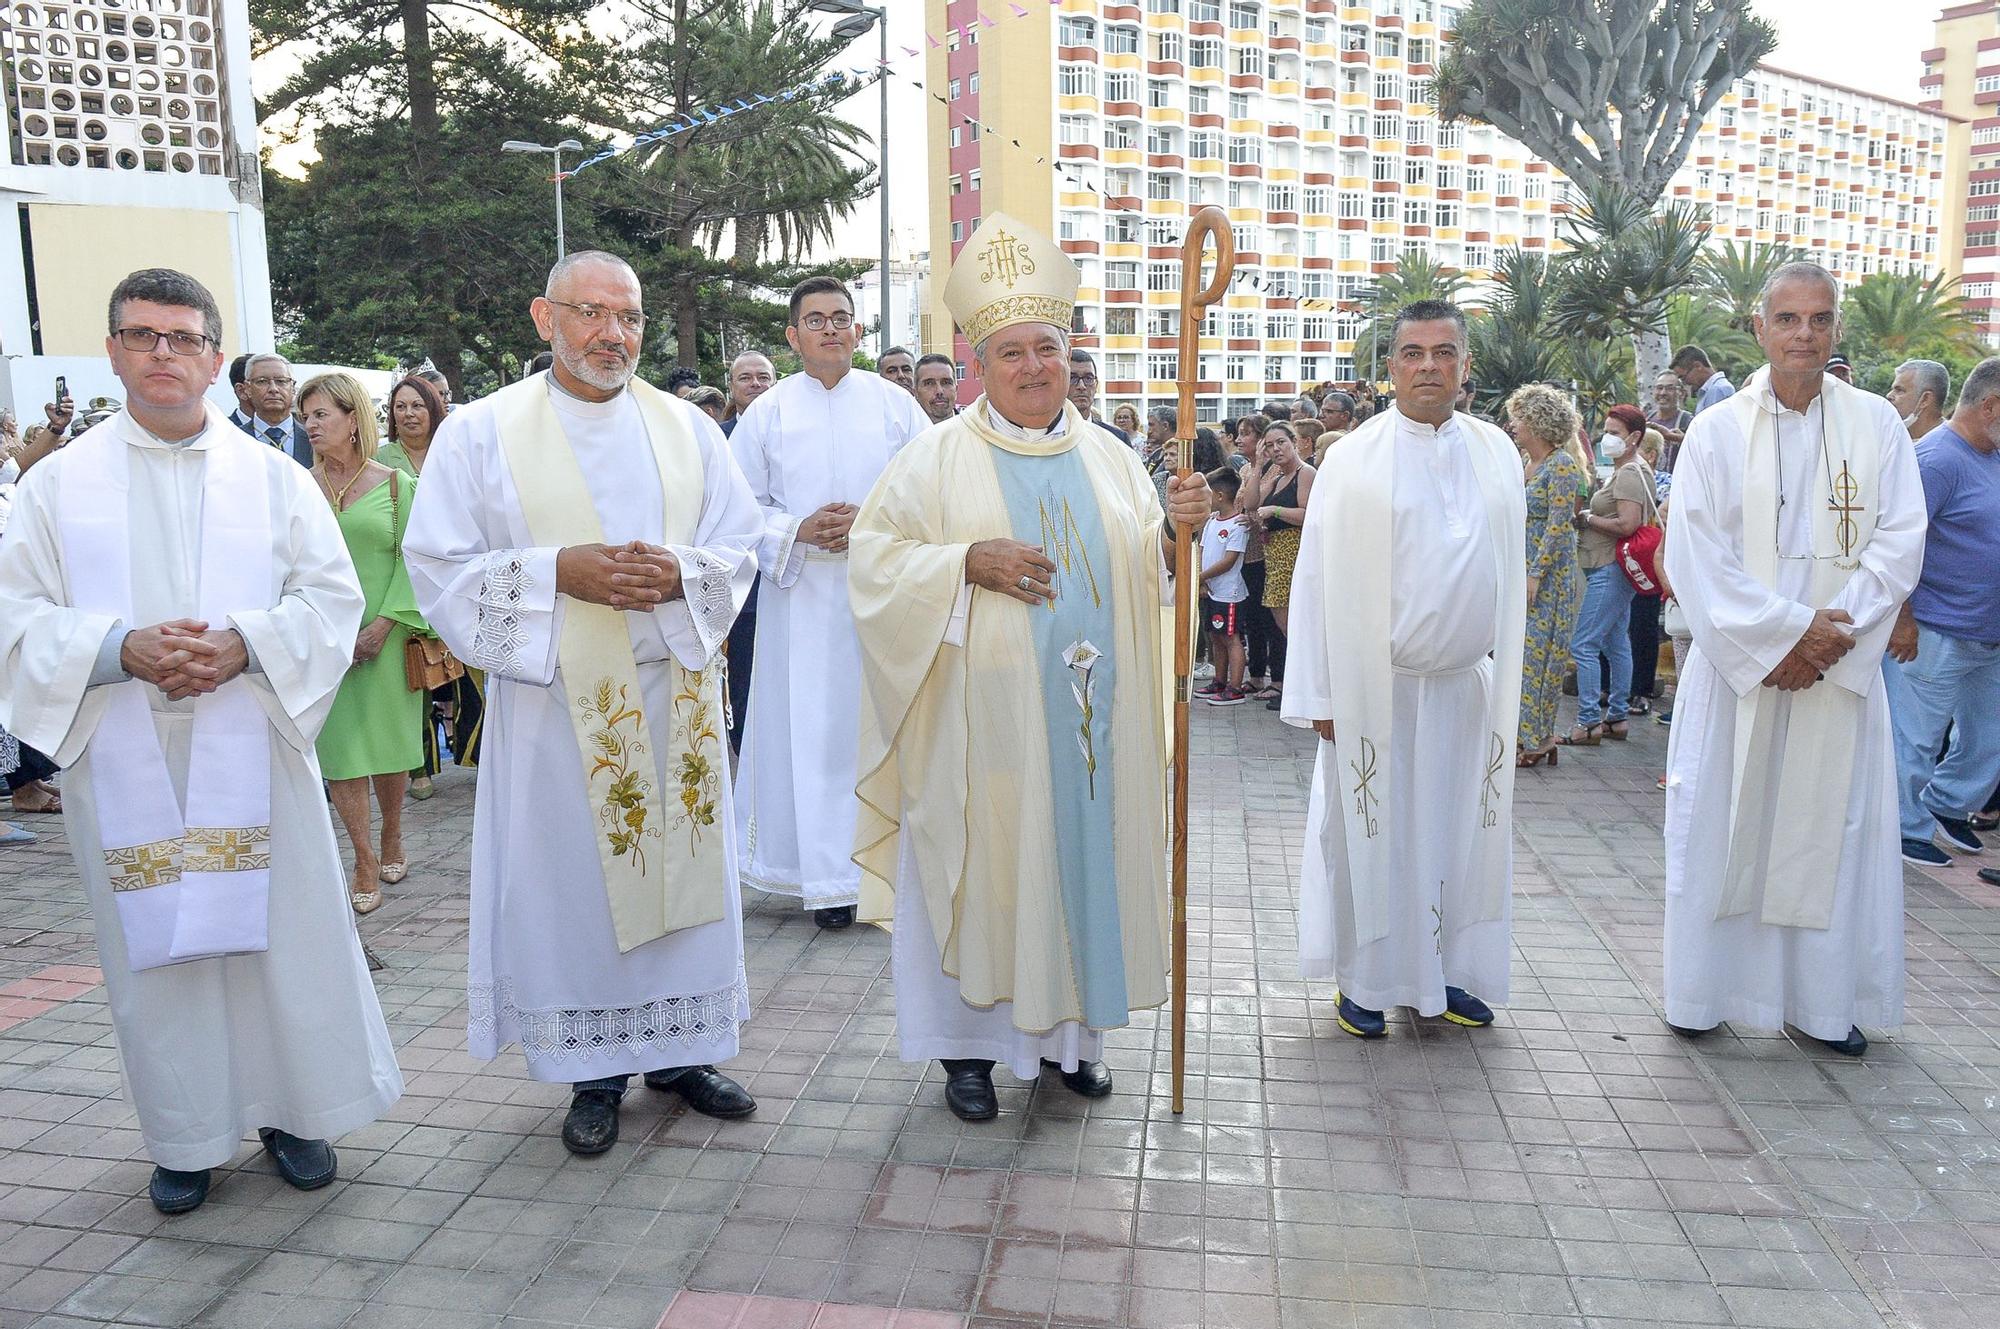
pixel 859 18
pixel 567 145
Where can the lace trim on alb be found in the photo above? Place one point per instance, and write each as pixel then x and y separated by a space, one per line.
pixel 504 584
pixel 706 586
pixel 560 1034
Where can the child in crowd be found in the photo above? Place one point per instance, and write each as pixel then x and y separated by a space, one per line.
pixel 1223 588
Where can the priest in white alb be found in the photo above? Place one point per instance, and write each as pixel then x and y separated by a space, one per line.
pixel 812 447
pixel 177 609
pixel 1007 576
pixel 587 540
pixel 1409 605
pixel 1797 531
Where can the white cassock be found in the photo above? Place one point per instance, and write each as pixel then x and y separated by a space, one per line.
pixel 801 447
pixel 289 1037
pixel 545 969
pixel 1436 912
pixel 1730 963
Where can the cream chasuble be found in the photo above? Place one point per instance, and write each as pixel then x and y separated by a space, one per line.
pixel 1784 895
pixel 1012 768
pixel 1407 617
pixel 547 964
pixel 289 1035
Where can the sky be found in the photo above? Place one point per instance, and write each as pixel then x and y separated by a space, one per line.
pixel 1871 45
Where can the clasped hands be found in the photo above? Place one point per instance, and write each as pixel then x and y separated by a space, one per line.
pixel 183 658
pixel 634 576
pixel 827 528
pixel 1818 649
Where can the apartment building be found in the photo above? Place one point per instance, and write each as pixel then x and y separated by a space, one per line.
pixel 1313 123
pixel 1961 79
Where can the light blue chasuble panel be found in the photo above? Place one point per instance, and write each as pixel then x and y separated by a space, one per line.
pixel 1051 504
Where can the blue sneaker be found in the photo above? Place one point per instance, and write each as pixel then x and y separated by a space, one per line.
pixel 1958 833
pixel 1924 854
pixel 1461 1007
pixel 1359 1020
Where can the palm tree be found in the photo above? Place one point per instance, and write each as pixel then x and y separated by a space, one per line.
pixel 1600 371
pixel 1416 276
pixel 1734 277
pixel 1889 313
pixel 1695 318
pixel 1511 345
pixel 1625 260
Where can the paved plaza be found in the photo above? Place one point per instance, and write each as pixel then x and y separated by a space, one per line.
pixel 1573 1165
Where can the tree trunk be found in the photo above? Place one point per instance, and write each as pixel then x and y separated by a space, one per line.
pixel 422 74
pixel 1651 350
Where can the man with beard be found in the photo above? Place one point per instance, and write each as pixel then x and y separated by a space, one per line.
pixel 585 539
pixel 937 387
pixel 811 449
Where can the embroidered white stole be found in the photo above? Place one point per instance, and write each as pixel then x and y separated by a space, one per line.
pixel 1783 861
pixel 662 857
pixel 1348 531
pixel 190 881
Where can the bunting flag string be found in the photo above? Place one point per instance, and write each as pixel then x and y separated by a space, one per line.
pixel 708 115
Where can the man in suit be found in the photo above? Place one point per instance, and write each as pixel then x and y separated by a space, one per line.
pixel 1083 393
pixel 265 393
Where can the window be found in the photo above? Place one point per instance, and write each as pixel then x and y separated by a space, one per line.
pixel 1199 100
pixel 1121 134
pixel 1158 92
pixel 1381 249
pixel 972 84
pixel 1986 83
pixel 1282 198
pixel 1075 129
pixel 972 180
pixel 1121 321
pixel 1120 40
pixel 956 136
pixel 1387 125
pixel 1249 60
pixel 958 232
pixel 1162 186
pixel 1319 200
pixel 1382 169
pixel 1450 176
pixel 1169 46
pixel 1417 130
pixel 1420 92
pixel 1451 136
pixel 1389 44
pixel 1243 15
pixel 1314 325
pixel 1205 53
pixel 1476 179
pixel 1382 207
pixel 1420 50
pixel 1389 87
pixel 1205 144
pixel 1162 366
pixel 954 90
pixel 1239 106
pixel 1416 212
pixel 1079 80
pixel 1538 186
pixel 957 186
pixel 1242 324
pixel 1245 150
pixel 1509 185
pixel 1352 205
pixel 951 39
pixel 1447 215
pixel 1478 256
pixel 1159 142
pixel 1121 275
pixel 1121 86
pixel 1416 170
pixel 1163 322
pixel 1162 277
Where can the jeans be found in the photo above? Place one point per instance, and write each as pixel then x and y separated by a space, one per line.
pixel 1644 632
pixel 1953 683
pixel 1602 628
pixel 615 1083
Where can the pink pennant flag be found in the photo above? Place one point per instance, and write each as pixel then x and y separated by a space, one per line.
pixel 911 50
pixel 935 43
pixel 1018 11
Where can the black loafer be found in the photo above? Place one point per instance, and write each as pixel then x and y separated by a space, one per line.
pixel 968 1090
pixel 707 1090
pixel 306 1164
pixel 836 918
pixel 1686 1032
pixel 1852 1046
pixel 1092 1079
pixel 177 1192
pixel 1991 876
pixel 592 1124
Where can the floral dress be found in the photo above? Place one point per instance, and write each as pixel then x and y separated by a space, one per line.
pixel 1552 613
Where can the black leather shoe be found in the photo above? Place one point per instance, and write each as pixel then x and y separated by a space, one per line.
pixel 1991 876
pixel 592 1124
pixel 707 1090
pixel 1092 1079
pixel 836 918
pixel 306 1164
pixel 1686 1032
pixel 177 1192
pixel 968 1090
pixel 1852 1046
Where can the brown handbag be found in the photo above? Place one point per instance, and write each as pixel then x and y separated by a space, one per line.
pixel 427 665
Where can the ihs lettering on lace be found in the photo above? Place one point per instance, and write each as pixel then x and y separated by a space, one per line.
pixel 706 586
pixel 499 635
pixel 1062 541
pixel 1365 798
pixel 1489 790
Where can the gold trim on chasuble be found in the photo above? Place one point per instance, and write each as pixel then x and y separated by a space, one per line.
pixel 650 894
pixel 155 864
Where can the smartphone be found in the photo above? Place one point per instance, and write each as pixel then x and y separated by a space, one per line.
pixel 62 388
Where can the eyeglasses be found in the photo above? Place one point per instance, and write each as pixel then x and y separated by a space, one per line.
pixel 145 339
pixel 269 382
pixel 821 322
pixel 629 320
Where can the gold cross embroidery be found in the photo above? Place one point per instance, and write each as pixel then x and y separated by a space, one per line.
pixel 1844 502
pixel 1365 798
pixel 228 848
pixel 155 864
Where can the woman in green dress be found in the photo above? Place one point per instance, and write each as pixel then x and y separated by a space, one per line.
pixel 372 737
pixel 416 410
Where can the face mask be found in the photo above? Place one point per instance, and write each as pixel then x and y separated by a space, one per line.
pixel 1609 449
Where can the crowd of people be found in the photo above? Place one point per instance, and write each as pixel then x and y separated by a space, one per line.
pixel 833 636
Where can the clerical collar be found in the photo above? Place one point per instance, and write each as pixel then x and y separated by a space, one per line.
pixel 1424 429
pixel 1008 429
pixel 145 437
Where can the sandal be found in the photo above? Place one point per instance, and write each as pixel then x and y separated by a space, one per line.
pixel 1524 758
pixel 1583 736
pixel 50 808
pixel 1616 731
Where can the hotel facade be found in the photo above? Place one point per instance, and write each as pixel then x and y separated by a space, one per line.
pixel 1313 124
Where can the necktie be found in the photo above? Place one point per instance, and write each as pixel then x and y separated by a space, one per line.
pixel 277 435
